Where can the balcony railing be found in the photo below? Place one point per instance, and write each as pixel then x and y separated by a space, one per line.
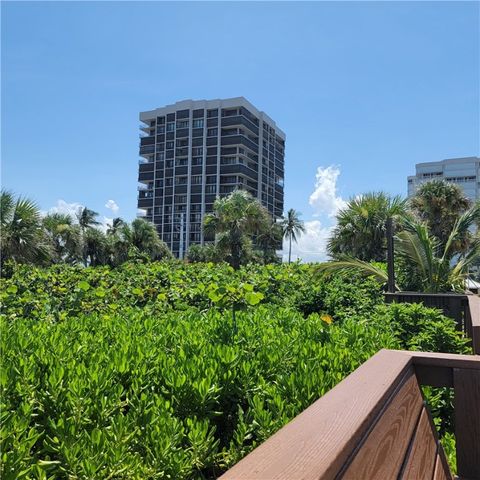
pixel 375 425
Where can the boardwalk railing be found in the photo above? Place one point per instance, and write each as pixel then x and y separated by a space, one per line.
pixel 375 425
pixel 464 309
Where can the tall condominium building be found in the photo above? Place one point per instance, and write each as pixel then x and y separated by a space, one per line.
pixel 193 152
pixel 465 172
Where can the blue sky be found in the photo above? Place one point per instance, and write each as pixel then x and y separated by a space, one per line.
pixel 363 91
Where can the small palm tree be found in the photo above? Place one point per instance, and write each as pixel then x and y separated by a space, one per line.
pixel 269 240
pixel 138 238
pixel 87 218
pixel 94 247
pixel 433 260
pixel 66 237
pixel 293 227
pixel 234 220
pixel 22 238
pixel 361 230
pixel 116 224
pixel 439 204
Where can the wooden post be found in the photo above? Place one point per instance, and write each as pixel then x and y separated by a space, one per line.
pixel 466 383
pixel 390 261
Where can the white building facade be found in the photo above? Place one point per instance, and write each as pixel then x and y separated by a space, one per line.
pixel 465 172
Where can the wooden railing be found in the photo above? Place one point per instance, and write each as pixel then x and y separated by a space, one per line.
pixel 375 425
pixel 464 309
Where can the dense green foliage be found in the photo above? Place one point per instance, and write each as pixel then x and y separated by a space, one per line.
pixel 27 237
pixel 235 220
pixel 361 226
pixel 425 262
pixel 436 247
pixel 172 370
pixel 439 204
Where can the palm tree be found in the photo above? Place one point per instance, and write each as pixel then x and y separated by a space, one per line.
pixel 87 218
pixel 140 238
pixel 65 237
pixel 203 253
pixel 234 220
pixel 269 240
pixel 293 227
pixel 362 226
pixel 94 247
pixel 429 259
pixel 433 260
pixel 439 204
pixel 22 238
pixel 116 224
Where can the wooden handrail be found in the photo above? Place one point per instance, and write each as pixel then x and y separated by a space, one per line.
pixel 318 443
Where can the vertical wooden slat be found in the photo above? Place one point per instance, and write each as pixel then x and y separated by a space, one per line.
pixel 467 422
pixel 442 472
pixel 421 458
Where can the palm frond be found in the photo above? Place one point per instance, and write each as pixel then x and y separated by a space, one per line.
pixel 351 265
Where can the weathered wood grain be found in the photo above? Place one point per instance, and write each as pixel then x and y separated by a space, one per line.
pixel 467 422
pixel 382 454
pixel 318 442
pixel 420 462
pixel 442 472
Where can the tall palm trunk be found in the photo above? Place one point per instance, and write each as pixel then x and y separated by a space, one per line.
pixel 290 249
pixel 390 258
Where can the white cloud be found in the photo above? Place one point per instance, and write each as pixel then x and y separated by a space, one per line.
pixel 105 223
pixel 311 245
pixel 324 198
pixel 112 205
pixel 73 208
pixel 65 208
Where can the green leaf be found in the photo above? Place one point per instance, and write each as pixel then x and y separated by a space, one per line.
pixel 12 289
pixel 214 297
pixel 83 285
pixel 253 298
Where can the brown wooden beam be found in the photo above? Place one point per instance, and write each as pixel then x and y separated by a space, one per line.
pixel 467 422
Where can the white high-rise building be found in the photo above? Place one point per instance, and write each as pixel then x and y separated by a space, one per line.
pixel 465 172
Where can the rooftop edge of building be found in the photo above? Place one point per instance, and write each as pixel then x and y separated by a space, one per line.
pixel 207 104
pixel 450 160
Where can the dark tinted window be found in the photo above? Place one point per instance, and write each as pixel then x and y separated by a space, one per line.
pixel 183 114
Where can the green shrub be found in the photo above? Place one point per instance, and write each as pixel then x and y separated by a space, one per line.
pixel 164 396
pixel 173 370
pixel 423 329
